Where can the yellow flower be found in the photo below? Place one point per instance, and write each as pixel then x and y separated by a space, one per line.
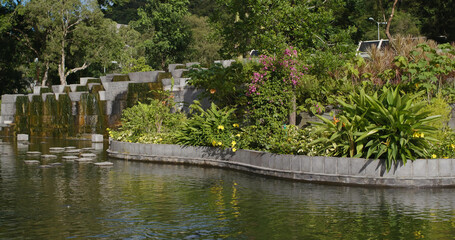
pixel 221 127
pixel 233 143
pixel 160 139
pixel 433 156
pixel 220 144
pixel 453 146
pixel 445 157
pixel 418 135
pixel 235 125
pixel 238 135
pixel 214 143
pixel 234 149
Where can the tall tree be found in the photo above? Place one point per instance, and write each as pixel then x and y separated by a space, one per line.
pixel 121 11
pixel 437 17
pixel 24 27
pixel 76 27
pixel 163 21
pixel 271 25
pixel 11 53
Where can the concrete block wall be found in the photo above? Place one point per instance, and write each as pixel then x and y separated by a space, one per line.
pixel 353 171
pixel 8 109
pixel 115 93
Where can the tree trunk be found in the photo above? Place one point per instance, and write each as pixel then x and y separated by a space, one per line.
pixel 46 72
pixel 387 32
pixel 61 66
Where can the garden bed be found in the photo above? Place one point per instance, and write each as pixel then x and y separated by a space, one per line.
pixel 352 171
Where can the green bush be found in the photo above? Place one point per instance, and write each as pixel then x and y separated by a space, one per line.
pixel 225 87
pixel 389 125
pixel 212 127
pixel 136 65
pixel 439 106
pixel 155 122
pixel 445 147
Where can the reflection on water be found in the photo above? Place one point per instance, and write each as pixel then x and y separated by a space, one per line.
pixel 133 200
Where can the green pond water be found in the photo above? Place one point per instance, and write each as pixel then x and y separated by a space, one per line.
pixel 133 200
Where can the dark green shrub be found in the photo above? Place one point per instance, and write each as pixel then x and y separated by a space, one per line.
pixel 155 122
pixel 212 127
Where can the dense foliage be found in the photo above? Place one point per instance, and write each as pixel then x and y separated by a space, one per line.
pixel 389 125
pixel 256 100
pixel 212 127
pixel 154 122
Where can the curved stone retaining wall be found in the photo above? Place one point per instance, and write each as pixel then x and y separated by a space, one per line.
pixel 355 171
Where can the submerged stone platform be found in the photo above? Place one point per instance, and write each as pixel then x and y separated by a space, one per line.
pixel 351 171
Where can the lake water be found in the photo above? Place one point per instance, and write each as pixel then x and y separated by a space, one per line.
pixel 133 200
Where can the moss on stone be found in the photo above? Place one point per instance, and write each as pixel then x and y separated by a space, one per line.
pixel 81 89
pixel 96 88
pixel 180 67
pixel 45 90
pixel 21 117
pixel 35 116
pixel 162 76
pixel 121 78
pixel 93 80
pixel 64 120
pixel 142 92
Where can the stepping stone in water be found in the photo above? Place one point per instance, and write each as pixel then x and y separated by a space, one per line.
pixel 72 152
pixel 87 149
pixel 88 155
pixel 56 164
pixel 31 162
pixel 104 164
pixel 70 148
pixel 56 149
pixel 45 166
pixel 48 156
pixel 84 160
pixel 33 153
pixel 69 158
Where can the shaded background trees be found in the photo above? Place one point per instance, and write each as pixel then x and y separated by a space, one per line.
pixel 165 31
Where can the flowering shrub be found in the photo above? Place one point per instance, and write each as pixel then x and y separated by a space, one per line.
pixel 287 69
pixel 271 96
pixel 212 127
pixel 445 148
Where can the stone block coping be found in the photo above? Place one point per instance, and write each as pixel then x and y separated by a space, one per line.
pixel 347 171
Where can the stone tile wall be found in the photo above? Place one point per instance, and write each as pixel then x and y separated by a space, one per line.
pixel 353 171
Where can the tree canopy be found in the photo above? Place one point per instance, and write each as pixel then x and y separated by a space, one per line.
pixel 51 41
